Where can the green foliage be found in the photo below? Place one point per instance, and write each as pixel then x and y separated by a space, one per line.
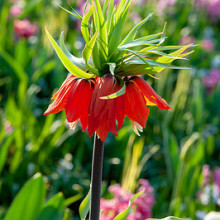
pixel 85 206
pixel 123 215
pixel 31 143
pixel 29 203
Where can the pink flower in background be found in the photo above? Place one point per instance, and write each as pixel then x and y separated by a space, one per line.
pixel 212 80
pixel 207 45
pixel 142 206
pixel 212 8
pixel 216 177
pixel 24 28
pixel 15 10
pixel 206 175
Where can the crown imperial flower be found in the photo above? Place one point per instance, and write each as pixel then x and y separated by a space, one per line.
pixel 104 85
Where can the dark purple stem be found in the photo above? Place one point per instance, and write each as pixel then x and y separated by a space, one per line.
pixel 96 179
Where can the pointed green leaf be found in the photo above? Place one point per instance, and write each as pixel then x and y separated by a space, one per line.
pixel 110 20
pixel 123 215
pixel 79 62
pixel 103 37
pixel 136 43
pixel 85 206
pixel 54 209
pixel 167 218
pixel 163 37
pixel 29 201
pixel 87 52
pixel 85 24
pixel 105 7
pixel 116 35
pixel 76 15
pixel 65 60
pixel 152 62
pixel 118 93
pixel 167 60
pixel 121 8
pixel 131 35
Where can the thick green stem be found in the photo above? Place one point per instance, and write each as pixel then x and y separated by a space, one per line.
pixel 96 179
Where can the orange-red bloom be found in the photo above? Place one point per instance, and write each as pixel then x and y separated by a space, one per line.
pixel 81 99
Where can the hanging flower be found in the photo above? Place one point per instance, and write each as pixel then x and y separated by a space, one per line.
pixel 82 99
pixel 104 85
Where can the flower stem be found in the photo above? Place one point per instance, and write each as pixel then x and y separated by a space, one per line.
pixel 96 180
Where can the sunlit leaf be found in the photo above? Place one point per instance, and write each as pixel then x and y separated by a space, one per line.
pixel 103 36
pixel 29 201
pixel 115 38
pixel 75 14
pixel 123 215
pixel 53 210
pixel 65 60
pixel 79 62
pixel 131 35
pixel 85 24
pixel 167 218
pixel 85 206
pixel 87 52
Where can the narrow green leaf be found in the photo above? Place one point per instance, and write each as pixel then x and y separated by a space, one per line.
pixel 86 5
pixel 76 15
pixel 136 43
pixel 131 35
pixel 53 210
pixel 85 24
pixel 165 55
pixel 167 60
pixel 105 7
pixel 103 37
pixel 79 62
pixel 118 93
pixel 29 201
pixel 85 206
pixel 167 218
pixel 110 20
pixel 4 149
pixel 121 8
pixel 112 68
pixel 65 60
pixel 123 215
pixel 163 37
pixel 87 52
pixel 152 62
pixel 116 35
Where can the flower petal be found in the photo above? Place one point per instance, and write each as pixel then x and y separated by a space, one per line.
pixel 60 97
pixel 148 92
pixel 134 105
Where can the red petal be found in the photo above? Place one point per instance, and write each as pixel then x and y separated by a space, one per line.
pixel 102 112
pixel 65 84
pixel 60 97
pixel 78 102
pixel 149 93
pixel 134 105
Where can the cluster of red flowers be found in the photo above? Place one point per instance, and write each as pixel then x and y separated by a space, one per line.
pixel 82 100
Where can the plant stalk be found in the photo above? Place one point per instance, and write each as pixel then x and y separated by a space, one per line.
pixel 96 179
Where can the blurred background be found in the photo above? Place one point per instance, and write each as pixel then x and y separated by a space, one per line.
pixel 177 156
